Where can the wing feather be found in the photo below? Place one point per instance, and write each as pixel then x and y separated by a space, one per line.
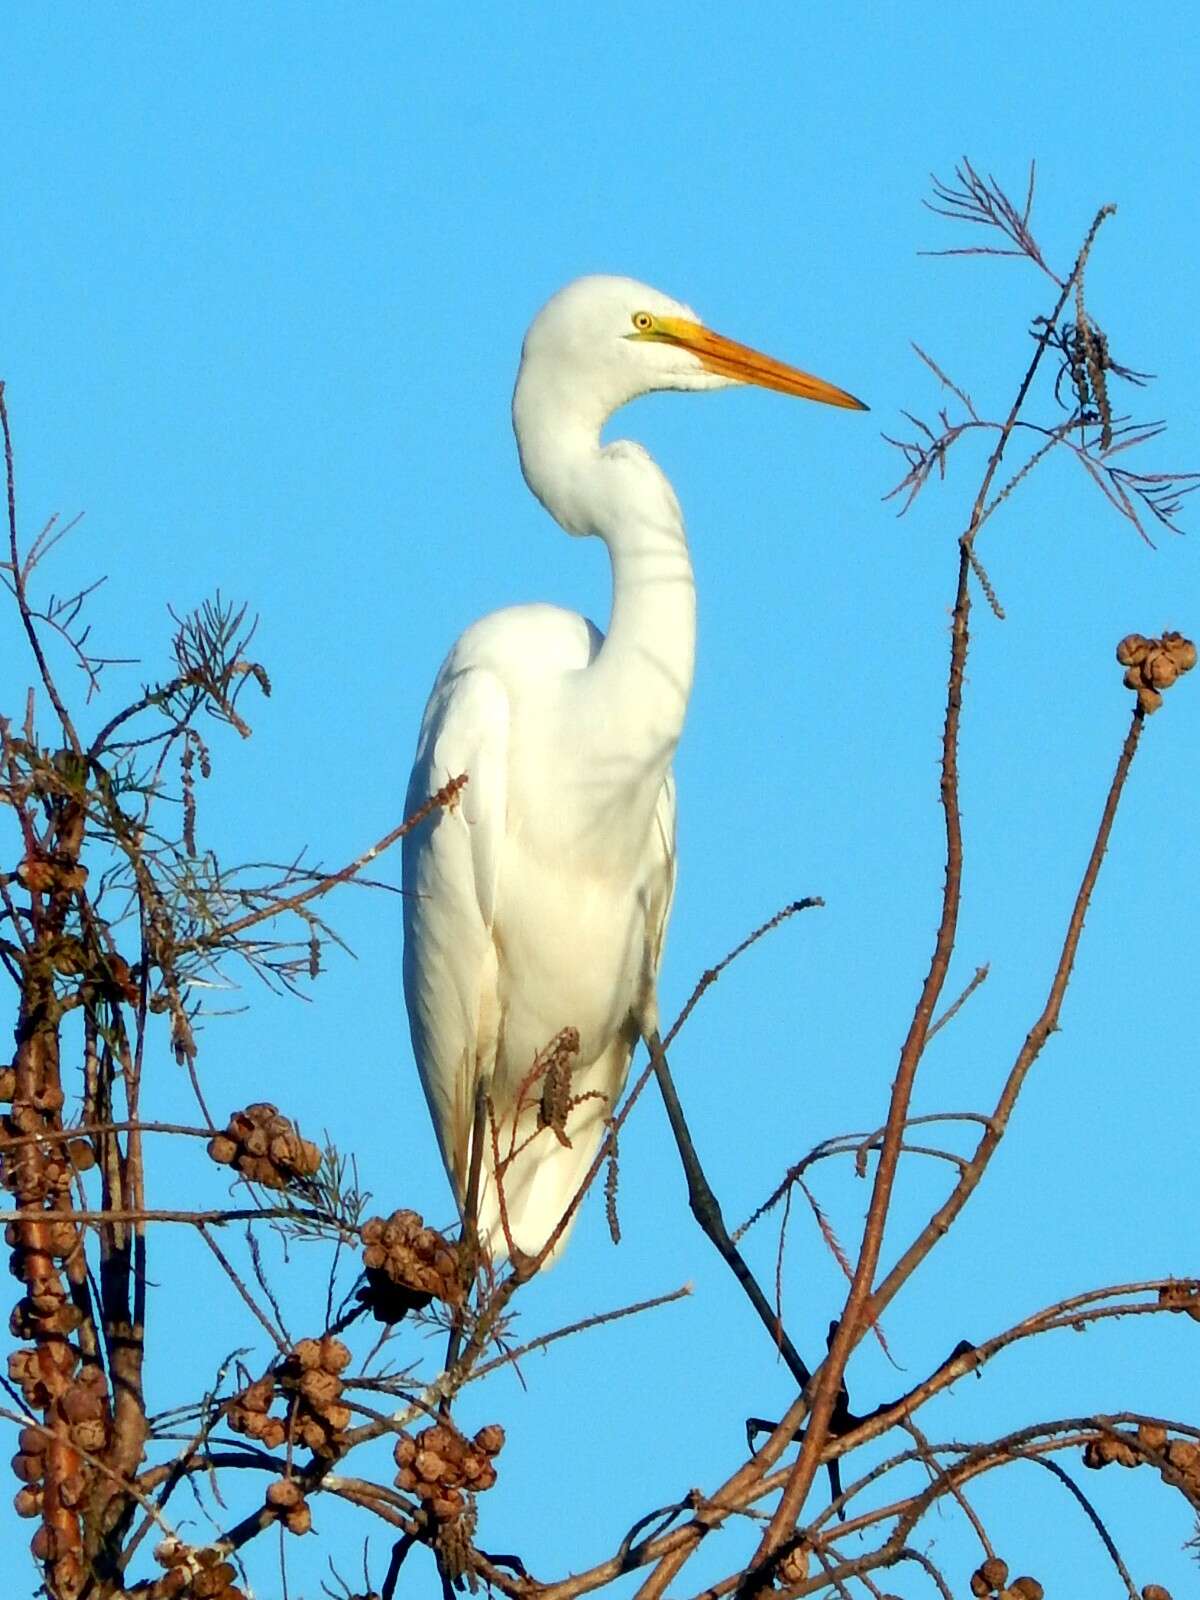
pixel 451 870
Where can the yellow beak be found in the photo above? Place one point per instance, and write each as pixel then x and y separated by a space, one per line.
pixel 744 365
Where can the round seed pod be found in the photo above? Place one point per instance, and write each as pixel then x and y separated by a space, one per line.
pixel 47 1543
pixel 299 1519
pixel 1027 1589
pixel 490 1439
pixel 335 1357
pixel 27 1502
pixel 28 1469
pixel 994 1572
pixel 45 1297
pixel 1159 670
pixel 91 1435
pixel 258 1395
pixel 222 1149
pixel 312 1434
pixel 284 1493
pixel 64 1239
pixel 430 1466
pixel 1182 651
pixel 319 1388
pixel 273 1433
pixel 82 1404
pixel 83 1157
pixel 307 1354
pixel 1131 650
pixel 255 1140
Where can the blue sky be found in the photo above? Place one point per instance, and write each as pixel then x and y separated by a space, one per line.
pixel 266 273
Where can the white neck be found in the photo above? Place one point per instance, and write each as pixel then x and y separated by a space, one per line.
pixel 636 691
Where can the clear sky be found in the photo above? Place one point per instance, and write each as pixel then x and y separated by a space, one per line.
pixel 265 275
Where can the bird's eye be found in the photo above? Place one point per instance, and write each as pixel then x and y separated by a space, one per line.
pixel 643 321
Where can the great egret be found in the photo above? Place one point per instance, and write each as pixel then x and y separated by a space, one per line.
pixel 538 902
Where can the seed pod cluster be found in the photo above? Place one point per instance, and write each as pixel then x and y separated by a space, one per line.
pixel 263 1146
pixel 1183 1456
pixel 49 1464
pixel 250 1413
pixel 992 1579
pixel 193 1574
pixel 45 1311
pixel 42 1375
pixel 1178 1463
pixel 1107 1448
pixel 38 1173
pixel 1181 1296
pixel 408 1265
pixel 309 1382
pixel 311 1377
pixel 71 1404
pixel 443 1469
pixel 286 1499
pixel 1154 664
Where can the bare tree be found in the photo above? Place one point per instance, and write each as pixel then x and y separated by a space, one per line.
pixel 116 916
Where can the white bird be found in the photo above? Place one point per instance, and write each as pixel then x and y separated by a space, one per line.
pixel 539 900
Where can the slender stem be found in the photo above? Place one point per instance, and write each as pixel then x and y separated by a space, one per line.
pixel 707 1211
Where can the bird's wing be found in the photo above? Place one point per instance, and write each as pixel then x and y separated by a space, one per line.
pixel 451 869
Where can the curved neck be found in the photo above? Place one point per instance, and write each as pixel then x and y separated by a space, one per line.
pixel 638 686
pixel 648 659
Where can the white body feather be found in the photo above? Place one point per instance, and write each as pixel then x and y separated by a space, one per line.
pixel 526 912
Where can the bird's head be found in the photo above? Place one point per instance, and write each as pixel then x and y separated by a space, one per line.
pixel 602 341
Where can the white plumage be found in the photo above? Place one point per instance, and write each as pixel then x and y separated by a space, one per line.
pixel 539 900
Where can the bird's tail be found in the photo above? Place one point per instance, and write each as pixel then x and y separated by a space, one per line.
pixel 523 1208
